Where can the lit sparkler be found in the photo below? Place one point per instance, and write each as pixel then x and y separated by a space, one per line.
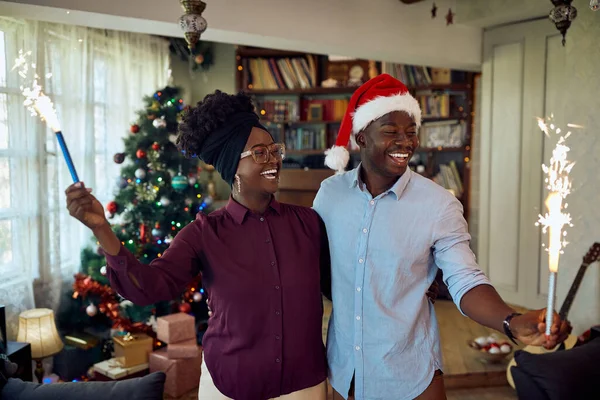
pixel 41 105
pixel 555 220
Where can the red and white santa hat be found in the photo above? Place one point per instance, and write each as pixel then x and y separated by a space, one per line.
pixel 377 97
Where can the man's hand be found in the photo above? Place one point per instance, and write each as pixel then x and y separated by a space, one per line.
pixel 433 291
pixel 530 328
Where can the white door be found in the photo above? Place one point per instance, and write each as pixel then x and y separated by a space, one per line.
pixel 521 67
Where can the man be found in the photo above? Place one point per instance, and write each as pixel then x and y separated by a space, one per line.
pixel 389 230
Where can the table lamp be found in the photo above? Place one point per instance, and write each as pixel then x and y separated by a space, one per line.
pixel 37 328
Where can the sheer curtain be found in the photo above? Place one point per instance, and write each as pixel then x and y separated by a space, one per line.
pixel 98 81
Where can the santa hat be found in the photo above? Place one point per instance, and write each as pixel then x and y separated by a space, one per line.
pixel 374 99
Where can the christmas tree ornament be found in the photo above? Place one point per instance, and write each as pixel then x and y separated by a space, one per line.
pixel 103 270
pixel 122 182
pixel 199 59
pixel 143 233
pixel 594 5
pixel 165 201
pixel 192 23
pixel 155 146
pixel 185 308
pixel 197 297
pixel 192 180
pixel 155 106
pixel 119 158
pixel 112 207
pixel 173 138
pixel 168 239
pixel 140 173
pixel 159 123
pixel 179 182
pixel 157 231
pixel 91 310
pixel 562 15
pixel 140 153
pixel 134 129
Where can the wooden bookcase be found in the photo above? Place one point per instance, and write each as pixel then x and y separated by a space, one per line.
pixel 285 109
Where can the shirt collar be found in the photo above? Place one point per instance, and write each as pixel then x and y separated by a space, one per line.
pixel 397 189
pixel 238 212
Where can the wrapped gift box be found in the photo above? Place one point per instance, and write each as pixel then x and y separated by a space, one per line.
pixel 187 349
pixel 175 328
pixel 183 374
pixel 112 369
pixel 132 350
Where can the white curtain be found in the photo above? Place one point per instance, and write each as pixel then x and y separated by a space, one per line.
pixel 98 81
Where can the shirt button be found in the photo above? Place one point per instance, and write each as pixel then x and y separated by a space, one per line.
pixel 372 202
pixel 277 360
pixel 361 261
pixel 358 317
pixel 261 219
pixel 365 230
pixel 357 348
pixel 277 287
pixel 277 337
pixel 272 262
pixel 277 313
pixel 121 262
pixel 358 289
pixel 268 240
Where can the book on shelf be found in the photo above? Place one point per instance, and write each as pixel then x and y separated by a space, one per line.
pixel 333 109
pixel 306 138
pixel 436 105
pixel 410 75
pixel 279 73
pixel 449 178
pixel 277 110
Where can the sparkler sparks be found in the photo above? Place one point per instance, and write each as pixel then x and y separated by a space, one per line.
pixel 554 221
pixel 35 100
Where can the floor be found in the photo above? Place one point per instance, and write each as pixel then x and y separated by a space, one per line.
pixel 465 376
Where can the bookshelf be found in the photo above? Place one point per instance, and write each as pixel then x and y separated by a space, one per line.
pixel 296 107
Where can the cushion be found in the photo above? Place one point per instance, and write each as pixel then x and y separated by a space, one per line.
pixel 561 375
pixel 149 387
pixel 525 386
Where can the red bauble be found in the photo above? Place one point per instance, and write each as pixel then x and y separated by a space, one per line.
pixel 185 308
pixel 112 207
pixel 140 153
pixel 134 128
pixel 156 146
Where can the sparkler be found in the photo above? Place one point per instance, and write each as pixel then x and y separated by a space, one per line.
pixel 559 186
pixel 41 105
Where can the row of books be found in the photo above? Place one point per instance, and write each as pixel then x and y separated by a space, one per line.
pixel 332 109
pixel 449 178
pixel 280 73
pixel 435 105
pixel 278 110
pixel 411 75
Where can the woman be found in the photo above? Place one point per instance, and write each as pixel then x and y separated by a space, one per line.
pixel 260 261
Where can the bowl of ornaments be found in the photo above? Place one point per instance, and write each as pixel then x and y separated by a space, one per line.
pixel 490 349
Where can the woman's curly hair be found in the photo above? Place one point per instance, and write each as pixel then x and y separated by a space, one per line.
pixel 208 116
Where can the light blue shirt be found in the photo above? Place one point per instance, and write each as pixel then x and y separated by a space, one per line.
pixel 385 253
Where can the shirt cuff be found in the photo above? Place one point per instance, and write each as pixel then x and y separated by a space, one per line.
pixel 118 262
pixel 481 280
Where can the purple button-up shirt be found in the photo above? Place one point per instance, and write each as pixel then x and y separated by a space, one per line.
pixel 262 276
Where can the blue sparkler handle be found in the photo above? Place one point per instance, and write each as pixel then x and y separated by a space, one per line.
pixel 65 150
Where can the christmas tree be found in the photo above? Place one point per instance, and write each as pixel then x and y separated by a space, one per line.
pixel 158 194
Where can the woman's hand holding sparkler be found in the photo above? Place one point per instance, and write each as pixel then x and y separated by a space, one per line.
pixel 83 206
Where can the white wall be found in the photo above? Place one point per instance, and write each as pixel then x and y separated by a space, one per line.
pixel 486 13
pixel 580 96
pixel 385 30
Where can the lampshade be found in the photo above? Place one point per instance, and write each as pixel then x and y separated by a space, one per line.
pixel 37 328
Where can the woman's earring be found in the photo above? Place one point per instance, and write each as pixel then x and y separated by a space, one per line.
pixel 239 184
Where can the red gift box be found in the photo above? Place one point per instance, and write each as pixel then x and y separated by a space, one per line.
pixel 187 349
pixel 183 374
pixel 175 328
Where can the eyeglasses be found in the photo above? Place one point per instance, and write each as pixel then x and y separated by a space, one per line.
pixel 262 154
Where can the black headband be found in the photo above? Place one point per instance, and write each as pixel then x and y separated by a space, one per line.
pixel 223 147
